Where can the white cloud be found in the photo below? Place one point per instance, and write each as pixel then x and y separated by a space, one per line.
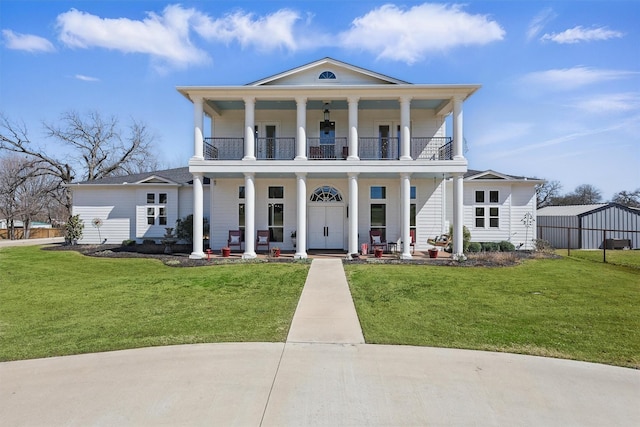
pixel 165 37
pixel 579 34
pixel 408 35
pixel 572 78
pixel 539 21
pixel 27 42
pixel 86 78
pixel 610 103
pixel 265 33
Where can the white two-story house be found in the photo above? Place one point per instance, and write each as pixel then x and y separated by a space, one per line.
pixel 329 151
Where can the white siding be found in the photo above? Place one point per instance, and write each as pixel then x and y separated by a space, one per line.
pixel 114 206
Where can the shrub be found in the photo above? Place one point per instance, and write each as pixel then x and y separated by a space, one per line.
pixel 184 228
pixel 506 246
pixel 128 242
pixel 490 247
pixel 148 242
pixel 74 229
pixel 542 246
pixel 475 247
pixel 466 239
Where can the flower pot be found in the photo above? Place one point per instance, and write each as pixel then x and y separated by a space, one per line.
pixel 226 252
pixel 433 253
pixel 378 253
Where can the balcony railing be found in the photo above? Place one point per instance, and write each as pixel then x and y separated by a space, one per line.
pixel 330 148
pixel 327 148
pixel 433 148
pixel 275 148
pixel 223 148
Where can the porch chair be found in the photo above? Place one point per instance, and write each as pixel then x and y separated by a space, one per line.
pixel 375 237
pixel 262 239
pixel 442 241
pixel 235 239
pixel 315 152
pixel 412 233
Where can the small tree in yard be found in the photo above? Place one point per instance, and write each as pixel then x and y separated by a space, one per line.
pixel 74 229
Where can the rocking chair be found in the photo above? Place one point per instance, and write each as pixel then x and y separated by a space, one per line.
pixel 262 239
pixel 235 239
pixel 375 237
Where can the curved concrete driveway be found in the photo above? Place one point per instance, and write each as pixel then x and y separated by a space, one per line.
pixel 315 379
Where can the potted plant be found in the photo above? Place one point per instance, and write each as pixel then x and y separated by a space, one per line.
pixel 294 238
pixel 226 252
pixel 433 253
pixel 378 252
pixel 275 252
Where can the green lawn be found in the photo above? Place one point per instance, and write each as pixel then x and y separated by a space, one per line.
pixel 57 303
pixel 567 308
pixel 628 258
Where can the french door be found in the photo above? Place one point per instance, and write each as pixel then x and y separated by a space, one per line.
pixel 326 226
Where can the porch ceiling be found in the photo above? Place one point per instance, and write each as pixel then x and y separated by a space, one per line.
pixel 364 104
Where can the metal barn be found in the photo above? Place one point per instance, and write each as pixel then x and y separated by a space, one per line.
pixel 590 226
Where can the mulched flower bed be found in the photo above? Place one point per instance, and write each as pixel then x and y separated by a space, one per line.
pixel 180 257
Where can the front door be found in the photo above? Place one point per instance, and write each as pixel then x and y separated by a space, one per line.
pixel 326 226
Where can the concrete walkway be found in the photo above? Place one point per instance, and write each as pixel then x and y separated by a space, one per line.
pixel 322 376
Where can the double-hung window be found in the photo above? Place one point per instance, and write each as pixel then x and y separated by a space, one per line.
pixel 156 208
pixel 276 214
pixel 378 210
pixel 485 213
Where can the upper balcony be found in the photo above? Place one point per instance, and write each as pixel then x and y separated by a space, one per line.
pixel 333 148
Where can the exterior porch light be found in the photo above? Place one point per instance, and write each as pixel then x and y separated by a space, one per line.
pixel 327 120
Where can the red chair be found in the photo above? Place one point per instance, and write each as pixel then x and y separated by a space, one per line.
pixel 262 239
pixel 375 238
pixel 235 239
pixel 412 233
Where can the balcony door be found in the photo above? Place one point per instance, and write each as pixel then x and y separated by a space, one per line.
pixel 266 141
pixel 328 139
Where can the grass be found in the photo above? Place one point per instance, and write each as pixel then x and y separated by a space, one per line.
pixel 566 308
pixel 56 303
pixel 616 257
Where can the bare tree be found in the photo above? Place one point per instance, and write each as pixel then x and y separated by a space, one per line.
pixel 92 148
pixel 584 194
pixel 628 198
pixel 23 193
pixel 546 193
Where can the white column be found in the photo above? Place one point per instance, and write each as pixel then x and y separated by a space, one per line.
pixel 249 129
pixel 212 187
pixel 249 216
pixel 198 203
pixel 405 128
pixel 458 136
pixel 353 129
pixel 353 213
pixel 198 125
pixel 301 218
pixel 405 200
pixel 301 135
pixel 458 217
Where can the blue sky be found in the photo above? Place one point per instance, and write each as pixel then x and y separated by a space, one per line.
pixel 561 79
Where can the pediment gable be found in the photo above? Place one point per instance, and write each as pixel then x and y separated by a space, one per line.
pixel 156 180
pixel 327 71
pixel 489 175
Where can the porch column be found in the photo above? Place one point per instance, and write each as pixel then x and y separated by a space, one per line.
pixel 458 136
pixel 249 216
pixel 405 203
pixel 405 128
pixel 198 125
pixel 212 187
pixel 353 128
pixel 301 135
pixel 458 217
pixel 249 128
pixel 198 202
pixel 353 213
pixel 301 219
